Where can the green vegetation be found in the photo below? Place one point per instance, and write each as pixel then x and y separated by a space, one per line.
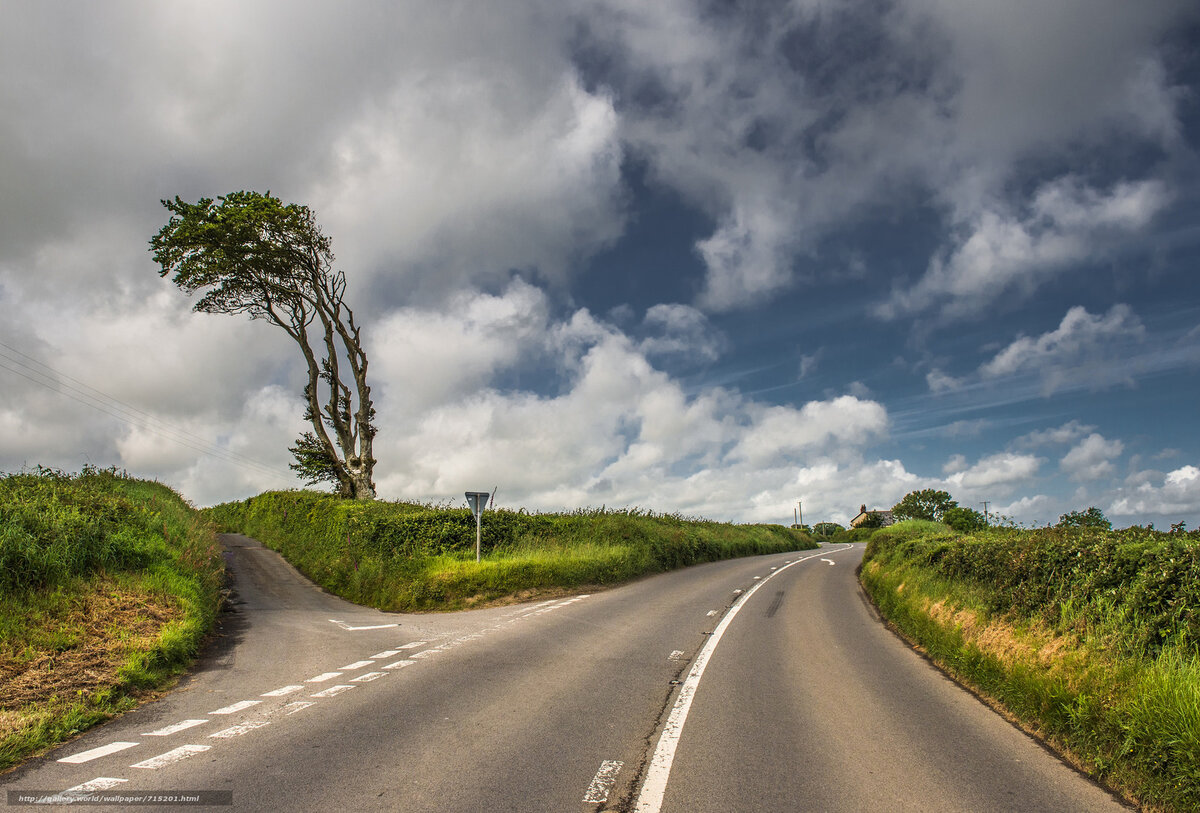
pixel 925 504
pixel 1089 637
pixel 107 586
pixel 404 557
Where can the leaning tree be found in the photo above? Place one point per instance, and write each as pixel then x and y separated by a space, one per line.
pixel 252 254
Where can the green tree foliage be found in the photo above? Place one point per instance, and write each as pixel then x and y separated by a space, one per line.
pixel 826 528
pixel 927 504
pixel 964 520
pixel 1091 518
pixel 873 519
pixel 252 254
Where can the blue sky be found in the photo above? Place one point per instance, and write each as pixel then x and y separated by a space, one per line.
pixel 699 257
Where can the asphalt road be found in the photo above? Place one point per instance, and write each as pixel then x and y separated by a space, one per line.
pixel 763 684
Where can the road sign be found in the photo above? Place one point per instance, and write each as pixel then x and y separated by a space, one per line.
pixel 478 500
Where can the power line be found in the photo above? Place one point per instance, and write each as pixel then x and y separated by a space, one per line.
pixel 122 411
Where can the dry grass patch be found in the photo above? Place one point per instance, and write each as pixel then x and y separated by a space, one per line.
pixel 72 654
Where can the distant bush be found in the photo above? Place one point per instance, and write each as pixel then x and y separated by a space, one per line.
pixel 964 520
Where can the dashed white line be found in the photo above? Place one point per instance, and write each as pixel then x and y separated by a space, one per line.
pixel 602 783
pixel 332 690
pixel 413 645
pixel 711 613
pixel 675 655
pixel 368 677
pixel 386 654
pixel 236 707
pixel 238 730
pixel 350 667
pixel 427 652
pixel 171 757
pixel 296 706
pixel 96 753
pixel 321 678
pixel 99 783
pixel 286 690
pixel 171 729
pixel 399 664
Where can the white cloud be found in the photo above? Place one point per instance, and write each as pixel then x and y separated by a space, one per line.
pixel 1170 495
pixel 1067 433
pixel 941 382
pixel 1082 351
pixel 1001 471
pixel 1091 458
pixel 1007 253
pixel 683 332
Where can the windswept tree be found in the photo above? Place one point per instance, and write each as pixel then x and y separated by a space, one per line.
pixel 252 254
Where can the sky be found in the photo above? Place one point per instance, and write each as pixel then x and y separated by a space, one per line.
pixel 721 259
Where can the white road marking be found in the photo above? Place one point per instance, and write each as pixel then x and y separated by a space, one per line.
pixel 399 664
pixel 654 786
pixel 738 592
pixel 386 654
pixel 675 655
pixel 286 690
pixel 96 753
pixel 99 783
pixel 332 690
pixel 350 667
pixel 368 677
pixel 236 707
pixel 774 568
pixel 829 560
pixel 323 677
pixel 171 757
pixel 427 652
pixel 413 645
pixel 298 705
pixel 603 782
pixel 171 729
pixel 711 613
pixel 238 730
pixel 756 578
pixel 349 628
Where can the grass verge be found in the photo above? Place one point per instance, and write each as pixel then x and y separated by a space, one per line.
pixel 108 585
pixel 406 557
pixel 1089 640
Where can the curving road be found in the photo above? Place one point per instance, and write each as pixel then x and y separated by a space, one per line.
pixel 758 684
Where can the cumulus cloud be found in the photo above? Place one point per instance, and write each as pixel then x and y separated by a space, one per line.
pixel 1067 433
pixel 1001 471
pixel 1172 494
pixel 1082 351
pixel 941 382
pixel 1091 458
pixel 681 331
pixel 1066 222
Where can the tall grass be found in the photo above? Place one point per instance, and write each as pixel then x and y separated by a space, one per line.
pixel 404 556
pixel 72 546
pixel 1091 639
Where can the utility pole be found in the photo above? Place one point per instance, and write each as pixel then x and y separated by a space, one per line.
pixel 985 512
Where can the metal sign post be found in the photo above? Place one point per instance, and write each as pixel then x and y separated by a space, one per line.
pixel 478 500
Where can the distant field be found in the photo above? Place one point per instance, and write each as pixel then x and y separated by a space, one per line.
pixel 108 584
pixel 1091 639
pixel 407 557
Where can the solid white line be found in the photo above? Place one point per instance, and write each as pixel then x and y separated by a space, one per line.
pixel 323 677
pixel 236 707
pixel 286 690
pixel 171 757
pixel 96 753
pixel 238 730
pixel 368 677
pixel 399 664
pixel 171 729
pixel 356 665
pixel 602 782
pixel 654 787
pixel 332 690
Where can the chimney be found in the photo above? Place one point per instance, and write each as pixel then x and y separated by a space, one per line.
pixel 863 510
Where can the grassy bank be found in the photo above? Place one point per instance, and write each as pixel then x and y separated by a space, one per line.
pixel 107 586
pixel 404 557
pixel 1089 639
